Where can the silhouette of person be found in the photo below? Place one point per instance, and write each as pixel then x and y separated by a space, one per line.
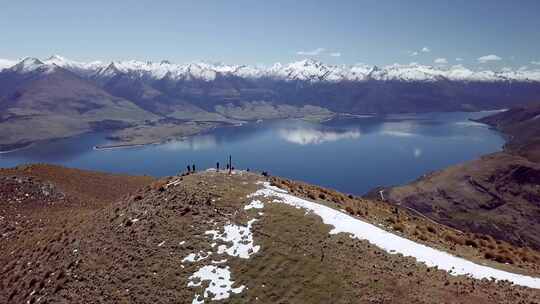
pixel 193 166
pixel 188 169
pixel 217 166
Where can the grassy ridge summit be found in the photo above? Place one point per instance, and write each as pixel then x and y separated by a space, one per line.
pixel 212 236
pixel 497 194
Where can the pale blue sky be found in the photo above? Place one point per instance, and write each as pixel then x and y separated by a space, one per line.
pixel 251 32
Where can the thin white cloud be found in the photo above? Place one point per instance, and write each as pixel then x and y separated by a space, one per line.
pixel 459 59
pixel 415 53
pixel 335 54
pixel 535 62
pixel 489 58
pixel 441 61
pixel 315 52
pixel 426 49
pixel 417 152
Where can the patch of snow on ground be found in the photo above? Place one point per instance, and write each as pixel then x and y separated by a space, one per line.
pixel 238 241
pixel 241 238
pixel 195 257
pixel 220 261
pixel 220 284
pixel 392 243
pixel 255 204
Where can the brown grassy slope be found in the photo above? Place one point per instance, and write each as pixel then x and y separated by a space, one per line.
pixel 131 252
pixel 82 186
pixel 497 195
pixel 37 197
pixel 40 206
pixel 522 125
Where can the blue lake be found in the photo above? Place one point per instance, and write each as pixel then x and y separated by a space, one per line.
pixel 351 155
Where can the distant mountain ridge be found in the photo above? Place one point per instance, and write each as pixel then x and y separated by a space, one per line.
pixel 357 89
pixel 305 70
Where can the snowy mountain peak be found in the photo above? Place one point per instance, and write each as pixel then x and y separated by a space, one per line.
pixel 30 64
pixel 81 68
pixel 108 71
pixel 31 61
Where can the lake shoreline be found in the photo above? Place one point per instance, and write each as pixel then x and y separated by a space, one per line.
pixel 293 148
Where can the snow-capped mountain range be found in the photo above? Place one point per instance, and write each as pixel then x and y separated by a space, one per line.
pixel 97 95
pixel 306 70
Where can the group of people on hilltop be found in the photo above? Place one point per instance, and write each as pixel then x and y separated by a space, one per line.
pixel 191 168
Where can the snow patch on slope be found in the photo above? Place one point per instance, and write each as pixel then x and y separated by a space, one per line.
pixel 392 243
pixel 240 237
pixel 255 204
pixel 196 257
pixel 218 275
pixel 220 283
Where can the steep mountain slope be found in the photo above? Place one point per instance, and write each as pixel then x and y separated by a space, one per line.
pixel 212 236
pixel 523 128
pixel 497 194
pixel 53 102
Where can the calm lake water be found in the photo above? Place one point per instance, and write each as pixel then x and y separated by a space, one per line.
pixel 351 155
